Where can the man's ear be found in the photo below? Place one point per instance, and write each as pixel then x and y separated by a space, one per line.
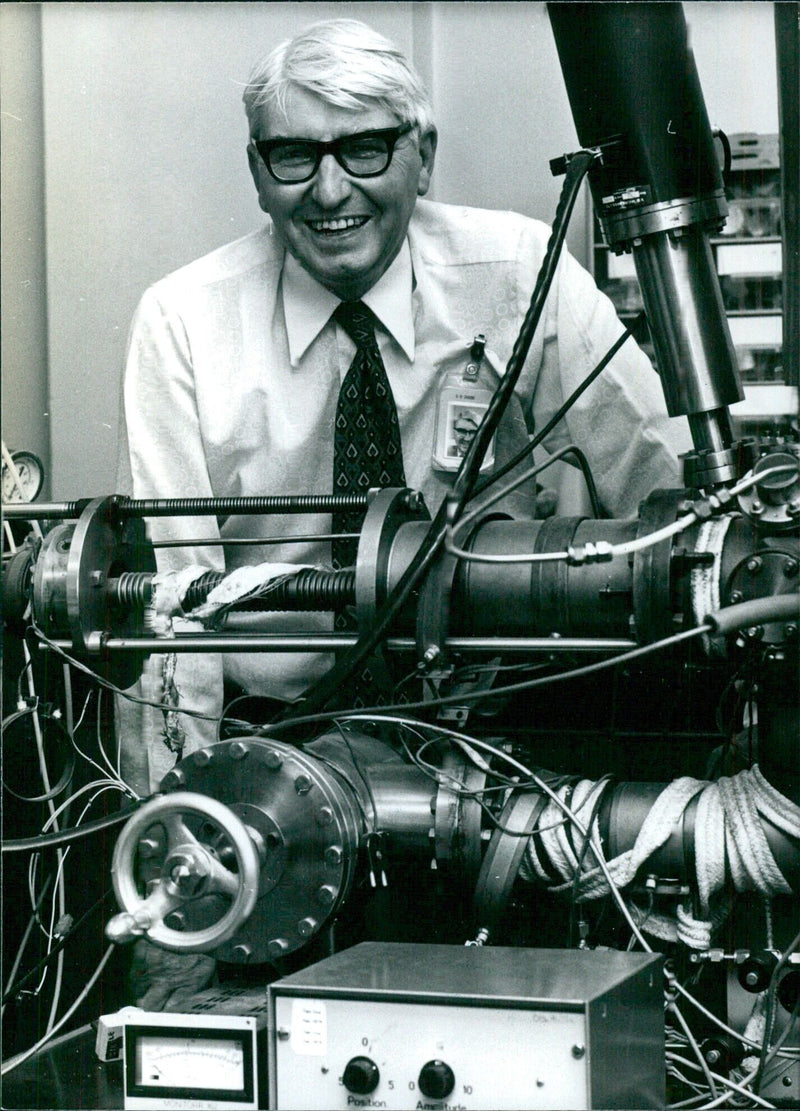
pixel 256 165
pixel 427 150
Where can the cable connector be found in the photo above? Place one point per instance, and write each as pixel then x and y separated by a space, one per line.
pixel 712 505
pixel 600 551
pixel 63 926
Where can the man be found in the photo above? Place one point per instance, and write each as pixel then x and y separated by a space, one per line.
pixel 233 377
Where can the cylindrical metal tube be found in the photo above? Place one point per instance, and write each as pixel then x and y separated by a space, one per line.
pixel 692 341
pixel 633 89
pixel 622 814
pixel 402 795
pixel 594 599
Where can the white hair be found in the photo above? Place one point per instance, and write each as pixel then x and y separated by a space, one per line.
pixel 344 62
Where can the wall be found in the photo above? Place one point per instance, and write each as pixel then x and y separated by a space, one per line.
pixel 144 162
pixel 23 293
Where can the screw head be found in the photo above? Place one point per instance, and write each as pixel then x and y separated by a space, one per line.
pixel 578 1051
pixel 755 564
pixel 273 759
pixel 237 750
pixel 325 895
pixel 202 757
pixel 241 953
pixel 277 947
pixel 324 815
pixel 306 926
pixel 302 784
pixel 790 568
pixel 333 855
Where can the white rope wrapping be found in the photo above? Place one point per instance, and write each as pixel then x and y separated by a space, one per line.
pixel 169 589
pixel 729 841
pixel 704 579
pixel 241 583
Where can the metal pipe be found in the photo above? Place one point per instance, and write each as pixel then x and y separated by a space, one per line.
pixel 332 642
pixel 692 341
pixel 622 814
pixel 787 43
pixel 256 541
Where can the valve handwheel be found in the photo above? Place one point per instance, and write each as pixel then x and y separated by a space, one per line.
pixel 191 869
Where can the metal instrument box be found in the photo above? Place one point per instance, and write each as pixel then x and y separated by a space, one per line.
pixel 447 1027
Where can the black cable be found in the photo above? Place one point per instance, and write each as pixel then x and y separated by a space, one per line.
pixel 14 989
pixel 492 692
pixel 64 779
pixel 588 478
pixel 560 413
pixel 65 836
pixel 468 473
pixel 330 684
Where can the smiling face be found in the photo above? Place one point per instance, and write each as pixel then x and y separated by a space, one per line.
pixel 345 231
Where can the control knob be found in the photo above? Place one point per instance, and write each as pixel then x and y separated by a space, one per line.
pixel 755 971
pixel 361 1076
pixel 436 1079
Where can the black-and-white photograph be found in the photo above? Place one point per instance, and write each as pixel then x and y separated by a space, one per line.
pixel 400 555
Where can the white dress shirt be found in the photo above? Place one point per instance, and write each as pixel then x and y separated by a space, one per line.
pixel 232 379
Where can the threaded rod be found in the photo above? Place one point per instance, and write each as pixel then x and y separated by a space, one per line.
pixel 309 589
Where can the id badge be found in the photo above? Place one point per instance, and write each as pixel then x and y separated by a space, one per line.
pixel 460 408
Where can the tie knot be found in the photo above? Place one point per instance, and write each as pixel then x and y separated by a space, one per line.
pixel 357 320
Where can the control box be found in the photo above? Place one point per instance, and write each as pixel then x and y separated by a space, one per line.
pixel 448 1028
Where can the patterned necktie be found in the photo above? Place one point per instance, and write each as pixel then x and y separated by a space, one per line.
pixel 366 446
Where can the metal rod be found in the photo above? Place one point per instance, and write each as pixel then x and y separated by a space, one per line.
pixel 227 543
pixel 331 642
pixel 195 507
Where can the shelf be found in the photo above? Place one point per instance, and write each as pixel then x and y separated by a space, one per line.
pixel 750 259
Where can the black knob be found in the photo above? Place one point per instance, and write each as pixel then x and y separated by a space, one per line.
pixel 361 1076
pixel 755 971
pixel 722 1053
pixel 436 1080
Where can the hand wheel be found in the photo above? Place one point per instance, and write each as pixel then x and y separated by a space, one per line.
pixel 190 870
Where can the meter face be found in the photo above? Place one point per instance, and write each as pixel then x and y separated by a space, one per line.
pixel 200 1063
pixel 193 1064
pixel 27 482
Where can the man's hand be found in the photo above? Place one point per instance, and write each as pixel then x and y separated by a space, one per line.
pixel 164 981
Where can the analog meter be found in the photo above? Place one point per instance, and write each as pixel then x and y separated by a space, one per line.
pixel 191 1061
pixel 25 485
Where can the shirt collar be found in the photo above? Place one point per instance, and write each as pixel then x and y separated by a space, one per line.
pixel 308 306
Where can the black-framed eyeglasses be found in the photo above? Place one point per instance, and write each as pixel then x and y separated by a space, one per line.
pixel 365 154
